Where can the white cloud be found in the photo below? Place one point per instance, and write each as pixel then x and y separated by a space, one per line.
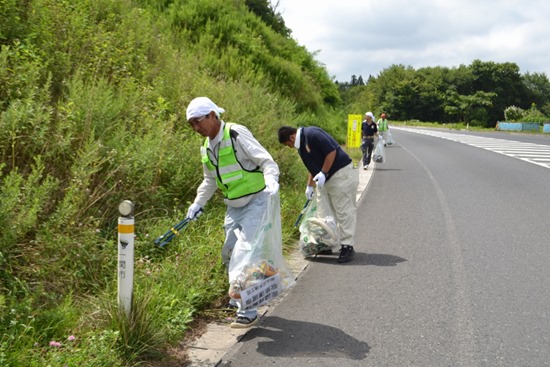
pixel 363 37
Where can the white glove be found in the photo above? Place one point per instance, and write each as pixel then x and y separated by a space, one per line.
pixel 194 211
pixel 271 185
pixel 309 192
pixel 320 178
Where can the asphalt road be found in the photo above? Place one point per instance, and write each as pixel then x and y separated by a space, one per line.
pixel 452 269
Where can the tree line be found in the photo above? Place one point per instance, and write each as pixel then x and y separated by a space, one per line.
pixel 478 94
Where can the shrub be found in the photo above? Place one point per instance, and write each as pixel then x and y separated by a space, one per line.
pixel 517 114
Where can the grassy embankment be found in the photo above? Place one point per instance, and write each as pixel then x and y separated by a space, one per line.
pixel 92 97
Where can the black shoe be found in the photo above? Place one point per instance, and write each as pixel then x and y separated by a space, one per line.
pixel 242 322
pixel 346 254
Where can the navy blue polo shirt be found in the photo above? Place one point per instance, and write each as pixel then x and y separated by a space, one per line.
pixel 368 131
pixel 315 145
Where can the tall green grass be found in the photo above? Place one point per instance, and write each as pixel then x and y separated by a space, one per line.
pixel 92 111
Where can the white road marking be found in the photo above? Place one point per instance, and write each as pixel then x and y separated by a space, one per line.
pixel 528 152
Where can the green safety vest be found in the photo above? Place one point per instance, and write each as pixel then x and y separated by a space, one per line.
pixel 231 178
pixel 383 125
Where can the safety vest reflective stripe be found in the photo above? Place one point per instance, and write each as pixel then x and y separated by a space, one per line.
pixel 228 169
pixel 231 178
pixel 225 144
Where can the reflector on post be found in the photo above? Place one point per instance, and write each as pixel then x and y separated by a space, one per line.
pixel 126 255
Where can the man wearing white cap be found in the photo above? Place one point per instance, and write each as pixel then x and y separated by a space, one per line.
pixel 234 162
pixel 368 131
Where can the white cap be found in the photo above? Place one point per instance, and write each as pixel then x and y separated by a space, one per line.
pixel 202 106
pixel 366 114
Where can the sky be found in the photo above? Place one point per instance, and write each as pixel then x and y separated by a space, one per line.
pixel 364 37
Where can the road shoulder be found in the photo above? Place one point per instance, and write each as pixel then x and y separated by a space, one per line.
pixel 218 338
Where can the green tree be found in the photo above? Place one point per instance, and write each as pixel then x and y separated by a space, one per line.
pixel 396 92
pixel 538 90
pixel 503 79
pixel 463 106
pixel 268 13
pixel 421 94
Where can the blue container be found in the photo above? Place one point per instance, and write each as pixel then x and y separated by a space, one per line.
pixel 518 126
pixel 509 126
pixel 546 128
pixel 530 126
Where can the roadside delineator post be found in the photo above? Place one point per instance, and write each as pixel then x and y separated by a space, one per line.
pixel 125 255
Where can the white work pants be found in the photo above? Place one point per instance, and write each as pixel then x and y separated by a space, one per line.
pixel 340 193
pixel 246 220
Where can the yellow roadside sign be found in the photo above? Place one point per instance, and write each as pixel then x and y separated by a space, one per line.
pixel 354 131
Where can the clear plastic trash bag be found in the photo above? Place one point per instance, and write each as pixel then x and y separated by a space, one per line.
pixel 390 140
pixel 317 233
pixel 258 272
pixel 379 154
